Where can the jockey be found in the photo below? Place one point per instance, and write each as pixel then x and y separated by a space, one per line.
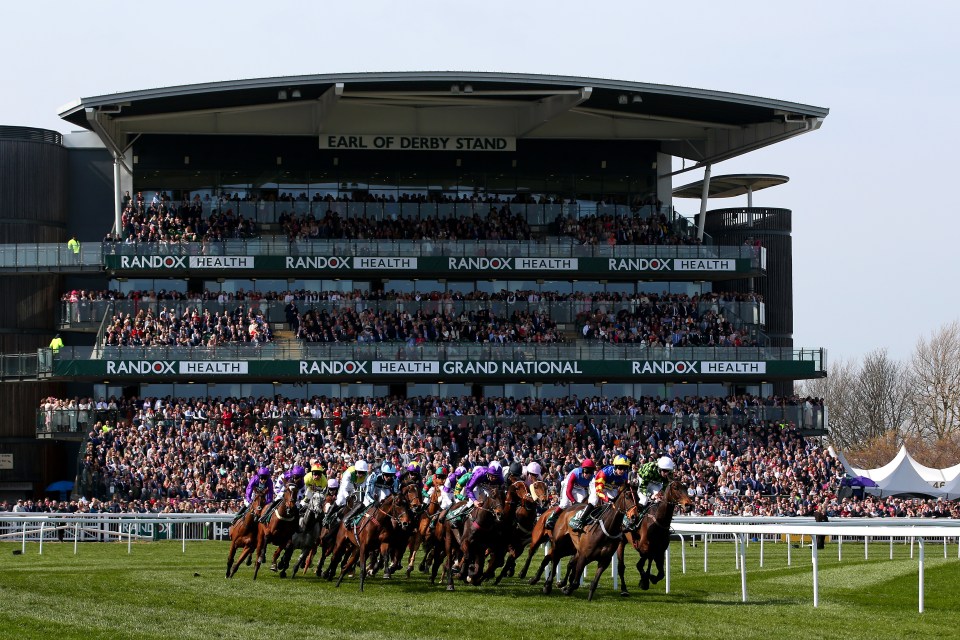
pixel 351 483
pixel 481 479
pixel 435 481
pixel 381 484
pixel 295 476
pixel 531 474
pixel 574 489
pixel 450 487
pixel 652 476
pixel 514 472
pixel 604 488
pixel 315 482
pixel 459 492
pixel 260 481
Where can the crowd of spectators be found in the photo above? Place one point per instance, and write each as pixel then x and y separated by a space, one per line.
pixel 189 328
pixel 345 324
pixel 497 224
pixel 678 324
pixel 161 220
pixel 607 229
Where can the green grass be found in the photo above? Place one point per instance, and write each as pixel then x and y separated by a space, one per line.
pixel 160 592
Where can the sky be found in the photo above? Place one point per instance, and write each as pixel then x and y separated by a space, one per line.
pixel 875 256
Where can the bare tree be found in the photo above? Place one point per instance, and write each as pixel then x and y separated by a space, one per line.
pixel 935 383
pixel 881 396
pixel 837 391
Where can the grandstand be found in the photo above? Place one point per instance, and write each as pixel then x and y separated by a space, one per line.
pixel 419 237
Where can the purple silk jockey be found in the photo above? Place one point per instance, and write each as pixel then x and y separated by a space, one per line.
pixel 260 481
pixel 450 487
pixel 489 475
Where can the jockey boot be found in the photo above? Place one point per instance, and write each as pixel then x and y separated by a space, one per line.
pixel 552 518
pixel 579 521
pixel 265 518
pixel 237 518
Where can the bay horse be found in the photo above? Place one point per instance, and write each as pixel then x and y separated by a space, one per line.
pixel 542 534
pixel 597 542
pixel 367 535
pixel 422 534
pixel 470 545
pixel 652 537
pixel 520 520
pixel 279 528
pixel 243 532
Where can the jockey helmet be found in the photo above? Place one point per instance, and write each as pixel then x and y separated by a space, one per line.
pixel 666 464
pixel 413 467
pixel 316 468
pixel 516 469
pixel 495 467
pixel 442 470
pixel 460 470
pixel 263 472
pixel 534 469
pixel 361 466
pixel 299 471
pixel 587 464
pixel 333 483
pixel 388 469
pixel 621 461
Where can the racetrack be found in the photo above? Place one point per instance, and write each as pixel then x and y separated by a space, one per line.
pixel 160 592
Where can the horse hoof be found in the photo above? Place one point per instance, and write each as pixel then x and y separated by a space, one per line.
pixel 532 581
pixel 283 574
pixel 624 594
pixel 273 567
pixel 449 587
pixel 249 560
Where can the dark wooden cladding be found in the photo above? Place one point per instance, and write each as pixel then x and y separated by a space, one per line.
pixel 29 304
pixel 19 402
pixel 33 191
pixel 773 228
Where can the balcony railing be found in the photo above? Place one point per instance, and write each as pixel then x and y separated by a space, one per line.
pixel 90 313
pixel 448 351
pixel 809 419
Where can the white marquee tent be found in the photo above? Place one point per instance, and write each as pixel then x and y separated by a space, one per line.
pixel 903 474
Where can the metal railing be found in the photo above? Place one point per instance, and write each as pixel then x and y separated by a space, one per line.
pixel 24 365
pixel 446 351
pixel 91 313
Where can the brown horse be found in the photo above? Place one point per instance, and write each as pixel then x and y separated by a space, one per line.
pixel 422 533
pixel 652 537
pixel 471 543
pixel 324 541
pixel 243 532
pixel 520 519
pixel 541 534
pixel 279 528
pixel 396 539
pixel 597 542
pixel 369 534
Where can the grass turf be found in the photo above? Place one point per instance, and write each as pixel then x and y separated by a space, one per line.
pixel 160 592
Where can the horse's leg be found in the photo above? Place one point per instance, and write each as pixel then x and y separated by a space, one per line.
pixel 233 552
pixel 644 566
pixel 621 567
pixel 547 559
pixel 658 560
pixel 534 545
pixel 448 567
pixel 602 563
pixel 363 562
pixel 261 549
pixel 571 579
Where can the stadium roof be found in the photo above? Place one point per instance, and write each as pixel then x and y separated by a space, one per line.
pixel 697 124
pixel 730 186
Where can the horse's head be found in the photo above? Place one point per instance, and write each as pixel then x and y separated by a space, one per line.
pixel 676 493
pixel 538 491
pixel 492 506
pixel 410 494
pixel 400 516
pixel 626 503
pixel 290 496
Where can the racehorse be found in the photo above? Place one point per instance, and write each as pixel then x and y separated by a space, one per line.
pixel 422 533
pixel 470 544
pixel 307 535
pixel 653 535
pixel 541 534
pixel 243 533
pixel 366 535
pixel 520 519
pixel 597 542
pixel 279 528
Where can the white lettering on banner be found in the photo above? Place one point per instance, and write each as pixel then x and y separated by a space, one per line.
pixel 318 262
pixel 542 368
pixel 638 264
pixel 646 367
pixel 221 262
pixel 153 262
pixel 696 264
pixel 470 368
pixel 546 264
pixel 215 367
pixel 406 366
pixel 332 367
pixel 384 263
pixel 733 367
pixel 367 141
pixel 479 263
pixel 128 367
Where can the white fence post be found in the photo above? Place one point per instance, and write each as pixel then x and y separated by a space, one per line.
pixel 76 536
pixel 667 568
pixel 816 575
pixel 706 548
pixel 743 568
pixel 921 575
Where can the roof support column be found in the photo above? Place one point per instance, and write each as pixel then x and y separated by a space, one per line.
pixel 703 203
pixel 749 205
pixel 117 198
